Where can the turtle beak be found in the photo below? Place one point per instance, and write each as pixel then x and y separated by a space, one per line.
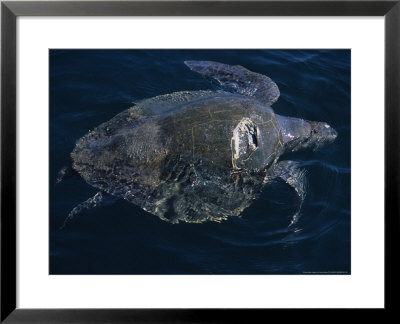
pixel 322 134
pixel 330 133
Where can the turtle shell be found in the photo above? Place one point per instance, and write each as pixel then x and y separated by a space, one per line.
pixel 190 156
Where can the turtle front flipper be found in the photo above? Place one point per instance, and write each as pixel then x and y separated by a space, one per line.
pixel 238 79
pixel 97 200
pixel 294 176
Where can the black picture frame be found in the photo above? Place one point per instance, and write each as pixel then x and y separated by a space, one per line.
pixel 10 10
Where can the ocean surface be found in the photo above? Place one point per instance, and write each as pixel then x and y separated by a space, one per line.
pixel 88 87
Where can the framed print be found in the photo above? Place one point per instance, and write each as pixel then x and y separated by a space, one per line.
pixel 152 172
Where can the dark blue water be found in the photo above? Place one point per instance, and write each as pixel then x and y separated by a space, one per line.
pixel 88 87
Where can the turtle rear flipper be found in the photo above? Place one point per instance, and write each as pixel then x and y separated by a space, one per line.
pixel 294 176
pixel 65 173
pixel 238 79
pixel 97 200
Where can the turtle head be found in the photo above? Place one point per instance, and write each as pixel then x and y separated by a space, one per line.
pixel 321 134
pixel 300 134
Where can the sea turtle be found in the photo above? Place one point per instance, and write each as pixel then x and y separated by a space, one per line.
pixel 194 156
